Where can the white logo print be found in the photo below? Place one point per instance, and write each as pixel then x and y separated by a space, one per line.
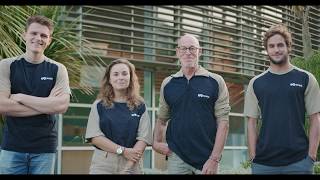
pixel 135 115
pixel 203 96
pixel 295 84
pixel 46 78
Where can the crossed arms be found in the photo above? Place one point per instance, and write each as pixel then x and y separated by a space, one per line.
pixel 22 105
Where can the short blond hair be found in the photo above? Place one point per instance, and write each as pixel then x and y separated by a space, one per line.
pixel 40 20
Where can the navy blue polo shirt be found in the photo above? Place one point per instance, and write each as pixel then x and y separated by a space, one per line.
pixel 33 134
pixel 282 101
pixel 192 106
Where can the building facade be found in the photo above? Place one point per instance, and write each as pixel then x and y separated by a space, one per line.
pixel 231 37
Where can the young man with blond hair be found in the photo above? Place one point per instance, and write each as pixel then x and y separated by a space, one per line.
pixel 33 88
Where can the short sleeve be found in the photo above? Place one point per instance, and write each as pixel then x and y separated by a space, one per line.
pixel 63 79
pixel 312 96
pixel 163 112
pixel 93 128
pixel 144 130
pixel 5 84
pixel 251 107
pixel 221 106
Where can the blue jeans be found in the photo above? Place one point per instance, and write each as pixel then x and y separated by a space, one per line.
pixel 304 166
pixel 26 163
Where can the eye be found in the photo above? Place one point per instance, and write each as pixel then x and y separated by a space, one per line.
pixel 44 36
pixel 183 48
pixel 193 48
pixel 124 73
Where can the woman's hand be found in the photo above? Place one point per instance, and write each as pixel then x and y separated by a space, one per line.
pixel 132 154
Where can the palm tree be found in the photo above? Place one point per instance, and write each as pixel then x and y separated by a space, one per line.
pixel 302 12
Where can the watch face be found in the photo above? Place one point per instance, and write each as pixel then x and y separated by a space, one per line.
pixel 119 150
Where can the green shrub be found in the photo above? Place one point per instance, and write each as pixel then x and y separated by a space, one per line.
pixel 312 64
pixel 246 164
pixel 317 167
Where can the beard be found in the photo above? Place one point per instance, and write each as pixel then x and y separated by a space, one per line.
pixel 283 60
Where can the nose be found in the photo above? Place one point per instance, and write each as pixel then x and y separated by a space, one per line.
pixel 277 49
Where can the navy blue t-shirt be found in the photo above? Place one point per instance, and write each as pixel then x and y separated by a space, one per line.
pixel 33 134
pixel 281 99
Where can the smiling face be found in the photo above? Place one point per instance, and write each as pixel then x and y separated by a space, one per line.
pixel 120 77
pixel 277 50
pixel 37 38
pixel 188 51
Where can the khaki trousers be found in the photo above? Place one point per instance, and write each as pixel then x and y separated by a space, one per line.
pixel 110 163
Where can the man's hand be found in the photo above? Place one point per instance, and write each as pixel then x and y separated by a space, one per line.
pixel 162 148
pixel 252 156
pixel 210 167
pixel 313 157
pixel 16 97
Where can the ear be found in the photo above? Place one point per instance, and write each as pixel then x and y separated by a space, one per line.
pixel 200 52
pixel 50 40
pixel 24 36
pixel 177 52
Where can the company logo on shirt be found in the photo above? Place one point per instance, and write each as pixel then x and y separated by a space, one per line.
pixel 135 115
pixel 295 84
pixel 46 78
pixel 203 96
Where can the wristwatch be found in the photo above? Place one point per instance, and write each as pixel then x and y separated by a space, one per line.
pixel 120 150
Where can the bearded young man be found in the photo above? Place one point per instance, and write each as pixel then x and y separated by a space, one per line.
pixel 282 96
